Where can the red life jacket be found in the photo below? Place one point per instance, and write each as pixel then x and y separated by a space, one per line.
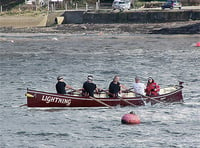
pixel 152 89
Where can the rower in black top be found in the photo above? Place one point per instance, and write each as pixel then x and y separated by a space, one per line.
pixel 61 86
pixel 89 87
pixel 115 87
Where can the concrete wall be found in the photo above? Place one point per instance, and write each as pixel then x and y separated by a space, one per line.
pixel 79 17
pixel 73 17
pixel 52 16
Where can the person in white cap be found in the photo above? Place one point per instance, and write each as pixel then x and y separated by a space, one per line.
pixel 61 86
pixel 139 87
pixel 89 87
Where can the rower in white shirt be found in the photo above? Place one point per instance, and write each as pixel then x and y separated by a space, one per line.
pixel 138 87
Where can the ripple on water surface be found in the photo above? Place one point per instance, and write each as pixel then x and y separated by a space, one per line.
pixel 34 61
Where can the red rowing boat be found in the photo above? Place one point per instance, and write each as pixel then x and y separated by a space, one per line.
pixel 44 99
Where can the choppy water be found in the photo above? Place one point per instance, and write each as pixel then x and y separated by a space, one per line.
pixel 35 60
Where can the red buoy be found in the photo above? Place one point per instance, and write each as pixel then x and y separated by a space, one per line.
pixel 198 44
pixel 130 118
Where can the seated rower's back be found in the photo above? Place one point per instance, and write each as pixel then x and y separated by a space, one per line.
pixel 89 87
pixel 139 88
pixel 115 87
pixel 61 86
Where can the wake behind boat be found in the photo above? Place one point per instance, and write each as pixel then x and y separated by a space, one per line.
pixel 74 99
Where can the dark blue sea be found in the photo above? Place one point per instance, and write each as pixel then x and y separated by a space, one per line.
pixel 35 60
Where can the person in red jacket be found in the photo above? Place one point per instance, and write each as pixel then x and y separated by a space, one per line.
pixel 152 88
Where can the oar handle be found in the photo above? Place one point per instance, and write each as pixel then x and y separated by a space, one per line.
pixel 127 90
pixel 140 94
pixel 130 88
pixel 74 90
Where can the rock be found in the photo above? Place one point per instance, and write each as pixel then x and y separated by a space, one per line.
pixel 186 29
pixel 83 27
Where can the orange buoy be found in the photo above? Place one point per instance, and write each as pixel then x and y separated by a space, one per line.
pixel 130 118
pixel 198 44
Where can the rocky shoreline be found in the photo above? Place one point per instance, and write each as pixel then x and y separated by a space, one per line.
pixel 189 27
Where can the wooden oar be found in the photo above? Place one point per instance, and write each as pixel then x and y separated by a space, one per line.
pixel 74 90
pixel 121 99
pixel 101 102
pixel 148 97
pixel 128 90
pixel 127 102
pixel 23 105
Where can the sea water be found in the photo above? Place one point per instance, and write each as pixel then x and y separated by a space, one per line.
pixel 35 60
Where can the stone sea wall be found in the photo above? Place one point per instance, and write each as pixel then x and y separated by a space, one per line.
pixel 80 17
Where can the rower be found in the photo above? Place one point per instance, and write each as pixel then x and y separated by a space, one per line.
pixel 115 87
pixel 89 87
pixel 61 86
pixel 138 87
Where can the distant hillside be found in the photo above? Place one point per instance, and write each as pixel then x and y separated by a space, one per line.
pixel 9 4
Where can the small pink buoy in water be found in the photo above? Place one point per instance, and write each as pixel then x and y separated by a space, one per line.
pixel 130 118
pixel 198 44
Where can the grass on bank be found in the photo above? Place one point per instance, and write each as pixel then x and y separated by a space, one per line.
pixel 23 13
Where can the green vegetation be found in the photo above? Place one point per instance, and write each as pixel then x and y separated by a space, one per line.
pixel 138 4
pixel 22 13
